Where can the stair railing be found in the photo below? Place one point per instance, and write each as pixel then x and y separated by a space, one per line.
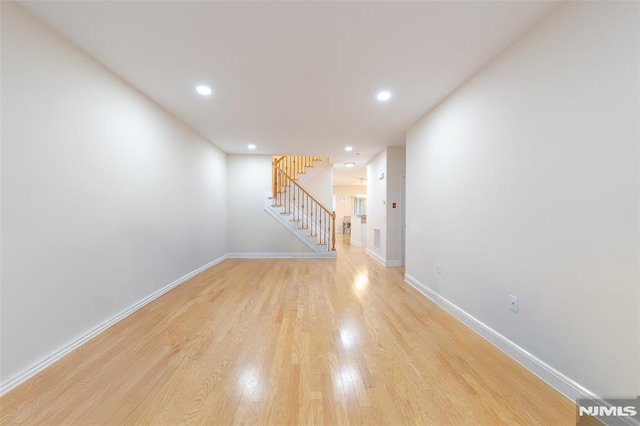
pixel 296 201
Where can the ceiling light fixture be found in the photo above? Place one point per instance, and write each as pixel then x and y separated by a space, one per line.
pixel 349 164
pixel 384 96
pixel 251 146
pixel 204 90
pixel 348 148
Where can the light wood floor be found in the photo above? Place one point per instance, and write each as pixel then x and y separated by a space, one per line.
pixel 292 341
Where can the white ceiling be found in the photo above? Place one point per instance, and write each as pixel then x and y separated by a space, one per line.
pixel 295 77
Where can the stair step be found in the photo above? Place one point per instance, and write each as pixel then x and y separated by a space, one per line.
pixel 294 220
pixel 285 212
pixel 303 227
pixel 277 205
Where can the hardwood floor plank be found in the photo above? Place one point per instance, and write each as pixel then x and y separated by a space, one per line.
pixel 288 341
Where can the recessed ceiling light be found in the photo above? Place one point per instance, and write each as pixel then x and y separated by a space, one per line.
pixel 251 146
pixel 384 96
pixel 349 164
pixel 348 148
pixel 203 90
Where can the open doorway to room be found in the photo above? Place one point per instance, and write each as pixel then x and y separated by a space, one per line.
pixel 351 212
pixel 350 207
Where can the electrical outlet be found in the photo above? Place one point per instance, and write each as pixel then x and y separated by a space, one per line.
pixel 514 303
pixel 439 267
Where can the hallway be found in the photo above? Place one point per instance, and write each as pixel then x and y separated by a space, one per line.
pixel 295 341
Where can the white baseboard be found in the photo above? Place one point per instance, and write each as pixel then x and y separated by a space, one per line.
pixel 376 256
pixel 550 375
pixel 355 243
pixel 55 356
pixel 382 260
pixel 327 255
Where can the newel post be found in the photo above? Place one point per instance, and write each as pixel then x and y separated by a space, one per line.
pixel 275 178
pixel 333 231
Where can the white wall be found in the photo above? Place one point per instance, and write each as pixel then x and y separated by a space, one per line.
pixel 395 172
pixel 376 203
pixel 106 197
pixel 249 228
pixel 525 181
pixel 319 183
pixel 358 231
pixel 381 194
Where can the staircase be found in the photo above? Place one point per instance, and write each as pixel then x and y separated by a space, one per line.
pixel 296 209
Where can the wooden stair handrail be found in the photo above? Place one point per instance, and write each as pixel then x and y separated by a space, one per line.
pixel 301 162
pixel 333 231
pixel 305 191
pixel 298 165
